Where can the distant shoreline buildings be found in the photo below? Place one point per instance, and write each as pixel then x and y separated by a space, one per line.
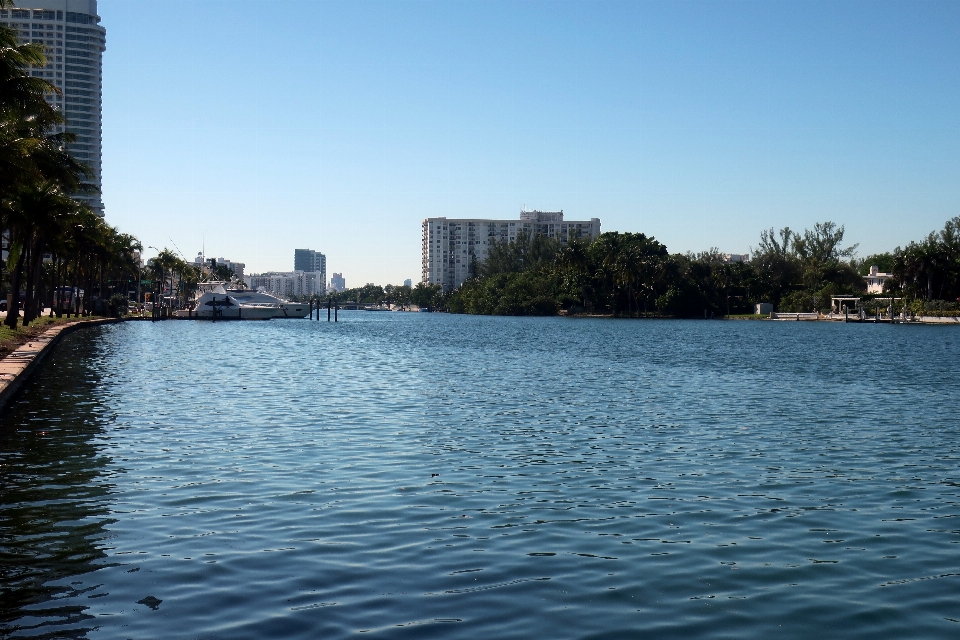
pixel 337 282
pixel 203 262
pixel 308 278
pixel 451 245
pixel 74 43
pixel 289 283
pixel 308 260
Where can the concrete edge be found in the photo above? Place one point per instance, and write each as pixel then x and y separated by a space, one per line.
pixel 16 368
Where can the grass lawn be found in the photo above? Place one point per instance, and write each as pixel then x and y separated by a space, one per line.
pixel 10 339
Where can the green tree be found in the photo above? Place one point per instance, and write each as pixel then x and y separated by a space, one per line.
pixel 426 295
pixel 37 212
pixel 930 269
pixel 883 262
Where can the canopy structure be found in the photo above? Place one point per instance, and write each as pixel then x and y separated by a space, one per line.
pixel 837 303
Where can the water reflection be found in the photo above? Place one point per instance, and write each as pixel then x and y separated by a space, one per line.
pixel 425 475
pixel 53 502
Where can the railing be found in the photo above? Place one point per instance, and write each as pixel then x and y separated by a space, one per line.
pixel 780 315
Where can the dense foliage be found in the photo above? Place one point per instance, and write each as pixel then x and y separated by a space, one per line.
pixel 55 243
pixel 374 294
pixel 930 269
pixel 173 281
pixel 631 274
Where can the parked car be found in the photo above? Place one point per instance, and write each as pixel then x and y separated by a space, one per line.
pixel 3 304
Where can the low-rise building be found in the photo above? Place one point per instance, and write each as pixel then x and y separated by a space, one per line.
pixel 452 247
pixel 876 279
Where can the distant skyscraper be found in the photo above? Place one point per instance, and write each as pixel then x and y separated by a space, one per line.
pixel 408 282
pixel 337 283
pixel 74 43
pixel 311 261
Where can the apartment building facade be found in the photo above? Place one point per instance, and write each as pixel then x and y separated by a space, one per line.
pixel 451 245
pixel 289 283
pixel 310 261
pixel 74 43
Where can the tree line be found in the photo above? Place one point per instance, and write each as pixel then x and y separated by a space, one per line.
pixel 929 269
pixel 55 244
pixel 632 275
pixel 422 295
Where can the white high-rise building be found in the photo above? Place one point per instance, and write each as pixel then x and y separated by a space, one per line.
pixel 74 43
pixel 289 283
pixel 451 245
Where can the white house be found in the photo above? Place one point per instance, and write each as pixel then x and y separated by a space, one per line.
pixel 876 279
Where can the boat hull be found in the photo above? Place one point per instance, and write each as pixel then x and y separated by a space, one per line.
pixel 242 304
pixel 232 313
pixel 293 311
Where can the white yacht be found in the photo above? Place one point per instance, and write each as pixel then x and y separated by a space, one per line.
pixel 282 308
pixel 217 303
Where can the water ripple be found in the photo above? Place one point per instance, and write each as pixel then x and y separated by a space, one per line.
pixel 425 475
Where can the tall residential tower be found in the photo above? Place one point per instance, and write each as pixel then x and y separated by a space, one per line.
pixel 452 246
pixel 74 43
pixel 310 261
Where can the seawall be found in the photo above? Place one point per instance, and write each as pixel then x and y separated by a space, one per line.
pixel 17 367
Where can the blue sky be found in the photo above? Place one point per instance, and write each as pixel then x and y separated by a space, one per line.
pixel 261 127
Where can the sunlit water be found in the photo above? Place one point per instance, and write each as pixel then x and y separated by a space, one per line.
pixel 426 475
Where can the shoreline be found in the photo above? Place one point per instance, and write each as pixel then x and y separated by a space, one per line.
pixel 786 317
pixel 17 366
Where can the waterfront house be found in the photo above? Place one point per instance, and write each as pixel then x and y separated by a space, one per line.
pixel 876 279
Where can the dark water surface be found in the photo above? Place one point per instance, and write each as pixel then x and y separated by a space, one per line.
pixel 420 476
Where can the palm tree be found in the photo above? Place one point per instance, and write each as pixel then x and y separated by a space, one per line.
pixel 165 266
pixel 36 175
pixel 44 209
pixel 574 265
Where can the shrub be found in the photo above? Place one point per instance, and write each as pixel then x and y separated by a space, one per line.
pixel 118 305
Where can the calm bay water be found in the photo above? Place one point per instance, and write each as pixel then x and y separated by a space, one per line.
pixel 418 476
